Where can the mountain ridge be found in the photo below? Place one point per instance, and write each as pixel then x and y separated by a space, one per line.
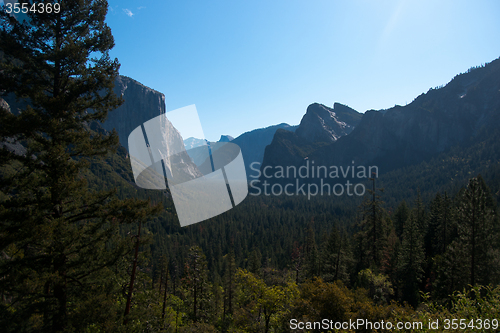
pixel 404 135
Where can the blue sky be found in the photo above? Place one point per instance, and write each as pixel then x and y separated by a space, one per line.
pixel 252 64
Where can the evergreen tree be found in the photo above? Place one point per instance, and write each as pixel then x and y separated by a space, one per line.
pixel 445 230
pixel 390 257
pixel 254 262
pixel 420 214
pixel 477 231
pixel 435 217
pixel 58 239
pixel 411 259
pixel 297 260
pixel 229 281
pixel 442 230
pixel 197 284
pixel 336 258
pixel 372 237
pixel 400 216
pixel 311 253
pixel 472 256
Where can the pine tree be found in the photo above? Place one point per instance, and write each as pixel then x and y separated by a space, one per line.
pixel 311 253
pixel 445 230
pixel 400 216
pixel 435 217
pixel 196 282
pixel 390 257
pixel 297 258
pixel 229 281
pixel 254 262
pixel 336 258
pixel 477 231
pixel 471 258
pixel 411 259
pixel 441 226
pixel 420 213
pixel 58 239
pixel 372 237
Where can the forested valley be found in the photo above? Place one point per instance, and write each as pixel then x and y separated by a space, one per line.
pixel 83 249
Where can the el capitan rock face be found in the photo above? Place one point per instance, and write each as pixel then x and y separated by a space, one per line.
pixel 141 104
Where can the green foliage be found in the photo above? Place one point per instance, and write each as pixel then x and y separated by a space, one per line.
pixel 59 237
pixel 337 259
pixel 319 300
pixel 411 259
pixel 259 306
pixel 442 229
pixel 400 216
pixel 378 285
pixel 473 310
pixel 472 256
pixel 374 229
pixel 311 254
pixel 197 289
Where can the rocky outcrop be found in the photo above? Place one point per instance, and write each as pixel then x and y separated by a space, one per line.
pixel 464 111
pixel 320 126
pixel 141 104
pixel 226 138
pixel 4 105
pixel 324 124
pixel 11 144
pixel 457 114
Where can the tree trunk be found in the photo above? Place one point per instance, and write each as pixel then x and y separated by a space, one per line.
pixel 132 277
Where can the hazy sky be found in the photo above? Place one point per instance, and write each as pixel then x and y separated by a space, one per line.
pixel 251 64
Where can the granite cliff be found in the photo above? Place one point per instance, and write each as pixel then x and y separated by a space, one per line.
pixel 319 127
pixel 324 124
pixel 141 104
pixel 461 113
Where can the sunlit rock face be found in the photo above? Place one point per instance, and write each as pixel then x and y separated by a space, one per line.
pixel 324 124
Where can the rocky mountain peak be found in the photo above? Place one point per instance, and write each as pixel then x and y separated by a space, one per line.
pixel 324 124
pixel 226 138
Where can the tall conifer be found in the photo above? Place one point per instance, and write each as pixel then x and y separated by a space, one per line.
pixel 58 239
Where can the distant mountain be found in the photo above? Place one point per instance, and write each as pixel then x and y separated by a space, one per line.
pixel 323 124
pixel 465 111
pixel 319 127
pixel 253 143
pixel 191 143
pixel 226 138
pixel 467 107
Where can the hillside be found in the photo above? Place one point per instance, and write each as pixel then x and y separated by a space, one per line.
pixel 463 112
